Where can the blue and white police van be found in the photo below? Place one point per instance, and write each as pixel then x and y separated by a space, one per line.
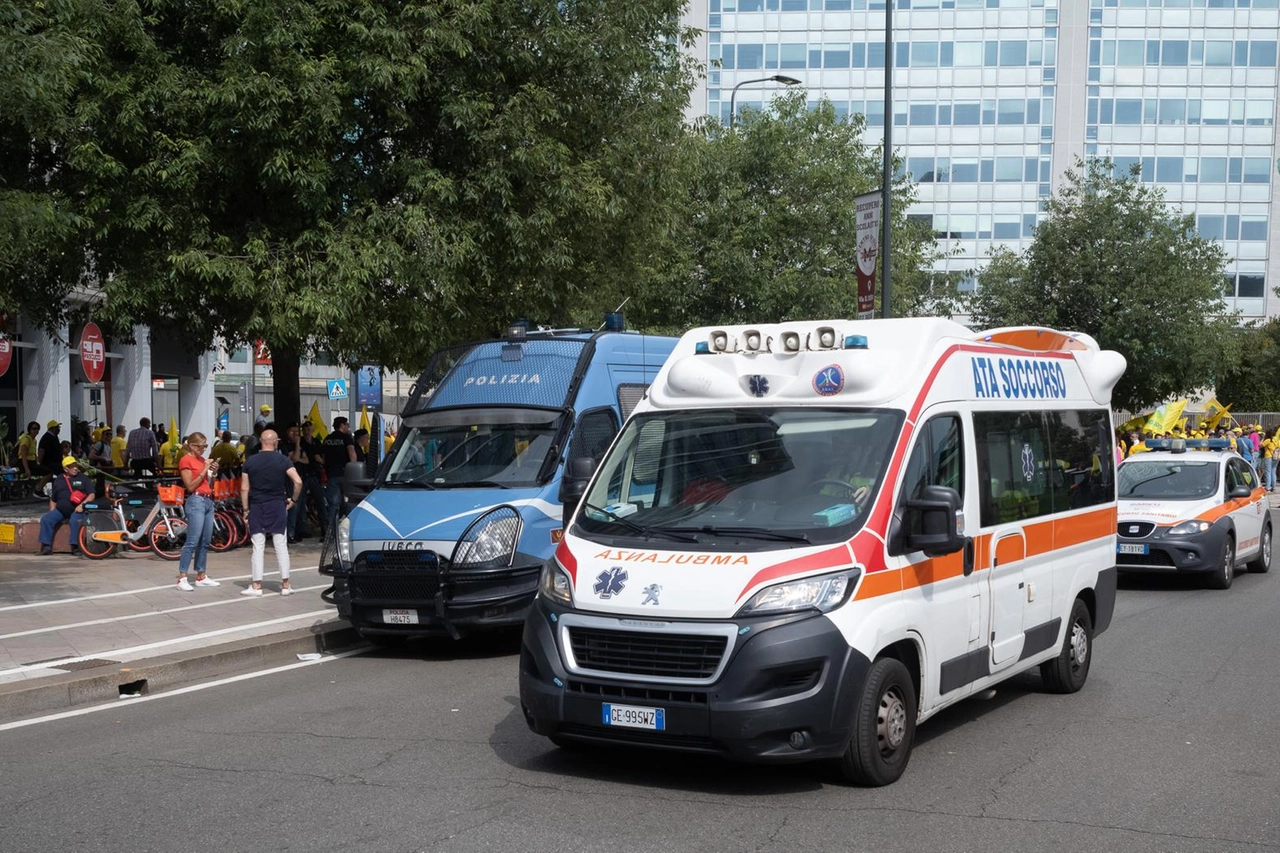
pixel 468 505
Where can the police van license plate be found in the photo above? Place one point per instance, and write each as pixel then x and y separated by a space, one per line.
pixel 631 717
pixel 400 617
pixel 1132 549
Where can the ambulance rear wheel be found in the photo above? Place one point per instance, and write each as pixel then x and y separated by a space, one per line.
pixel 1067 672
pixel 1262 563
pixel 1221 577
pixel 884 727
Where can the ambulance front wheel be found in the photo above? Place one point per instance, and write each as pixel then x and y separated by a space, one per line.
pixel 884 727
pixel 1067 672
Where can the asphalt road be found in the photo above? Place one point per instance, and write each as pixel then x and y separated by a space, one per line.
pixel 1173 745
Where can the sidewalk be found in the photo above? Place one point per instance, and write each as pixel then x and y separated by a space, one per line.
pixel 75 631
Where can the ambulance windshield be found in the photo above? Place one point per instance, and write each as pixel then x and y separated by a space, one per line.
pixel 759 477
pixel 1168 479
pixel 498 447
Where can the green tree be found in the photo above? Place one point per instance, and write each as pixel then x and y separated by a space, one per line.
pixel 373 178
pixel 1112 260
pixel 1253 385
pixel 767 232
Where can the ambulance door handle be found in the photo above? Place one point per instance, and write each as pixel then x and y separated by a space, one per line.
pixel 968 556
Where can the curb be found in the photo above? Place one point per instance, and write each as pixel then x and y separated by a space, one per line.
pixel 19 699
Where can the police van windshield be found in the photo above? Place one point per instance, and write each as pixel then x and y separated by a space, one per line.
pixel 761 478
pixel 494 447
pixel 1168 479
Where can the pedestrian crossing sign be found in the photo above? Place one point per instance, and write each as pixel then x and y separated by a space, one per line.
pixel 337 389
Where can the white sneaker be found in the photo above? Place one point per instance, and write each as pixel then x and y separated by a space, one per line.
pixel 286 590
pixel 184 585
pixel 250 590
pixel 207 581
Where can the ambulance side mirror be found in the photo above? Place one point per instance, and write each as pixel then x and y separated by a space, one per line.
pixel 935 517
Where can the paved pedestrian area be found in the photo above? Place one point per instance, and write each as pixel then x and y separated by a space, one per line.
pixel 63 614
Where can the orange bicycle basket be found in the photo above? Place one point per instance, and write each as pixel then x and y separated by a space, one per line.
pixel 172 495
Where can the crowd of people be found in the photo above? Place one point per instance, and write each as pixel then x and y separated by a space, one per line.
pixel 1260 450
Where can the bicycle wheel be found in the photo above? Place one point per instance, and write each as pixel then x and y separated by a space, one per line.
pixel 90 547
pixel 143 542
pixel 167 539
pixel 242 528
pixel 223 537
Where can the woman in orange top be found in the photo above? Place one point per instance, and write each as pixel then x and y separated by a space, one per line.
pixel 197 476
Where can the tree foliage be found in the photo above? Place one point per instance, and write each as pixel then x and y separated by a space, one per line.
pixel 766 231
pixel 1253 385
pixel 1112 260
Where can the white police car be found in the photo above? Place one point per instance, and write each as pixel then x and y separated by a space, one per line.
pixel 1191 505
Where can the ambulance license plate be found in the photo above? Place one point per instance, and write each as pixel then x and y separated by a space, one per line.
pixel 400 617
pixel 1132 549
pixel 631 717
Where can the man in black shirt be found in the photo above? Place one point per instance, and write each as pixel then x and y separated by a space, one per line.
pixel 339 448
pixel 72 489
pixel 269 487
pixel 306 458
pixel 49 451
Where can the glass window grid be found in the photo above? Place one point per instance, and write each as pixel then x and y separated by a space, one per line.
pixel 1004 53
pixel 1255 112
pixel 1182 53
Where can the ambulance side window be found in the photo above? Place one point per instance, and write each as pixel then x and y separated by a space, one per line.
pixel 937 460
pixel 1081 463
pixel 1014 469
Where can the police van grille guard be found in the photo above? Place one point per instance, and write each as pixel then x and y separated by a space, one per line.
pixel 679 653
pixel 555 360
pixel 405 577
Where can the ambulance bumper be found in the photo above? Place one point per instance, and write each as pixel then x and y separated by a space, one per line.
pixel 786 694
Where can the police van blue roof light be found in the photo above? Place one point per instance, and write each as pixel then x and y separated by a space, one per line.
pixel 855 342
pixel 702 348
pixel 613 322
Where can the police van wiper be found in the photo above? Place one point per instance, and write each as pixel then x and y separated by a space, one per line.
pixel 469 484
pixel 640 529
pixel 748 533
pixel 411 483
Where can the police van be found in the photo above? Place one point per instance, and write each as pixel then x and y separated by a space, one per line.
pixel 813 536
pixel 468 505
pixel 1192 506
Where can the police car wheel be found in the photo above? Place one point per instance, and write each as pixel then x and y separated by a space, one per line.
pixel 1068 671
pixel 884 727
pixel 1262 563
pixel 1221 577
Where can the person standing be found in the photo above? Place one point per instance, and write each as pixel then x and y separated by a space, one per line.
pixel 72 489
pixel 264 412
pixel 142 449
pixel 1268 452
pixel 225 453
pixel 118 445
pixel 269 488
pixel 28 453
pixel 339 448
pixel 197 477
pixel 362 445
pixel 308 460
pixel 49 452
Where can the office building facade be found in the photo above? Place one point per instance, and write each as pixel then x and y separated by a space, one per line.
pixel 995 99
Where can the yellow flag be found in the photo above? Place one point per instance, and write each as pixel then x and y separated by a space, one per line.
pixel 173 430
pixel 364 418
pixel 1134 424
pixel 1163 418
pixel 317 423
pixel 1213 412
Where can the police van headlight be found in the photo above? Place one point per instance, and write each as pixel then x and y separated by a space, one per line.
pixel 1189 528
pixel 344 541
pixel 491 539
pixel 554 585
pixel 822 593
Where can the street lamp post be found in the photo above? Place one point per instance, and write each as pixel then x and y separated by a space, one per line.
pixel 888 160
pixel 776 78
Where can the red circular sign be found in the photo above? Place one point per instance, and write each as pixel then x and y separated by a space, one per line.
pixel 6 355
pixel 93 352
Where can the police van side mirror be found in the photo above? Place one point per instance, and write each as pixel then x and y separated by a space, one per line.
pixel 356 482
pixel 573 485
pixel 935 519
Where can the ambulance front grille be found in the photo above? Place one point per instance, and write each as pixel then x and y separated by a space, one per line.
pixel 647 653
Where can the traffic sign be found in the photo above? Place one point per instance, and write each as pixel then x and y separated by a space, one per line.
pixel 6 355
pixel 337 389
pixel 93 352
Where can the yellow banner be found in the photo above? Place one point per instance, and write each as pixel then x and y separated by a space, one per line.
pixel 318 431
pixel 1163 419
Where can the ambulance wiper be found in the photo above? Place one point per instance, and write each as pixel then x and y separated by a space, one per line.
pixel 753 533
pixel 668 532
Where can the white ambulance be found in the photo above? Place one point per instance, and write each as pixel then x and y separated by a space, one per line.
pixel 812 536
pixel 1192 506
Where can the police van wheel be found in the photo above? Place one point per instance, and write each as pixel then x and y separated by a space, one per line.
pixel 884 727
pixel 1067 672
pixel 1262 563
pixel 1221 577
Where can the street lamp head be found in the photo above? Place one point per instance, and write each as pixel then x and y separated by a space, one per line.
pixel 785 80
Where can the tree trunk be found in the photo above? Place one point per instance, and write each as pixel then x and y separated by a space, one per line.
pixel 284 382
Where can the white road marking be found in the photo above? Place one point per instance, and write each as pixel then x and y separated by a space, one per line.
pixel 120 705
pixel 115 653
pixel 240 599
pixel 168 585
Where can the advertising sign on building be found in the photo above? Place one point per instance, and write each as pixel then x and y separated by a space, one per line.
pixel 369 386
pixel 6 355
pixel 867 211
pixel 93 352
pixel 261 352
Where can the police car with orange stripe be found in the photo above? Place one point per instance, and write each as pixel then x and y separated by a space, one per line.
pixel 1192 505
pixel 811 536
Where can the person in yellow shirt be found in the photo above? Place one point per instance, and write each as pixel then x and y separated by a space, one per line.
pixel 226 452
pixel 170 452
pixel 1268 453
pixel 117 448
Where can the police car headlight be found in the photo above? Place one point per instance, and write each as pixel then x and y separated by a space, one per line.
pixel 1189 528
pixel 554 585
pixel 344 541
pixel 490 540
pixel 822 593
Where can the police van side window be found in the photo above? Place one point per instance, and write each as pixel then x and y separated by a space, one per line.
pixel 1081 469
pixel 1013 466
pixel 937 460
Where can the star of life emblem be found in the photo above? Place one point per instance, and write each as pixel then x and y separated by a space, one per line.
pixel 758 385
pixel 651 593
pixel 1028 463
pixel 610 582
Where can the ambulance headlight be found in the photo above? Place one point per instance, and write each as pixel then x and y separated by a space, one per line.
pixel 1189 528
pixel 554 585
pixel 821 593
pixel 491 539
pixel 344 541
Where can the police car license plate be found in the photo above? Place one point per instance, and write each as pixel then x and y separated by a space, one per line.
pixel 631 717
pixel 1132 549
pixel 400 617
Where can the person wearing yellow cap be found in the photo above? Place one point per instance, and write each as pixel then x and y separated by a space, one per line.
pixel 72 489
pixel 261 420
pixel 49 452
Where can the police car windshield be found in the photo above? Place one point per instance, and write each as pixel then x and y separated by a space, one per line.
pixel 1183 479
pixel 473 448
pixel 801 475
